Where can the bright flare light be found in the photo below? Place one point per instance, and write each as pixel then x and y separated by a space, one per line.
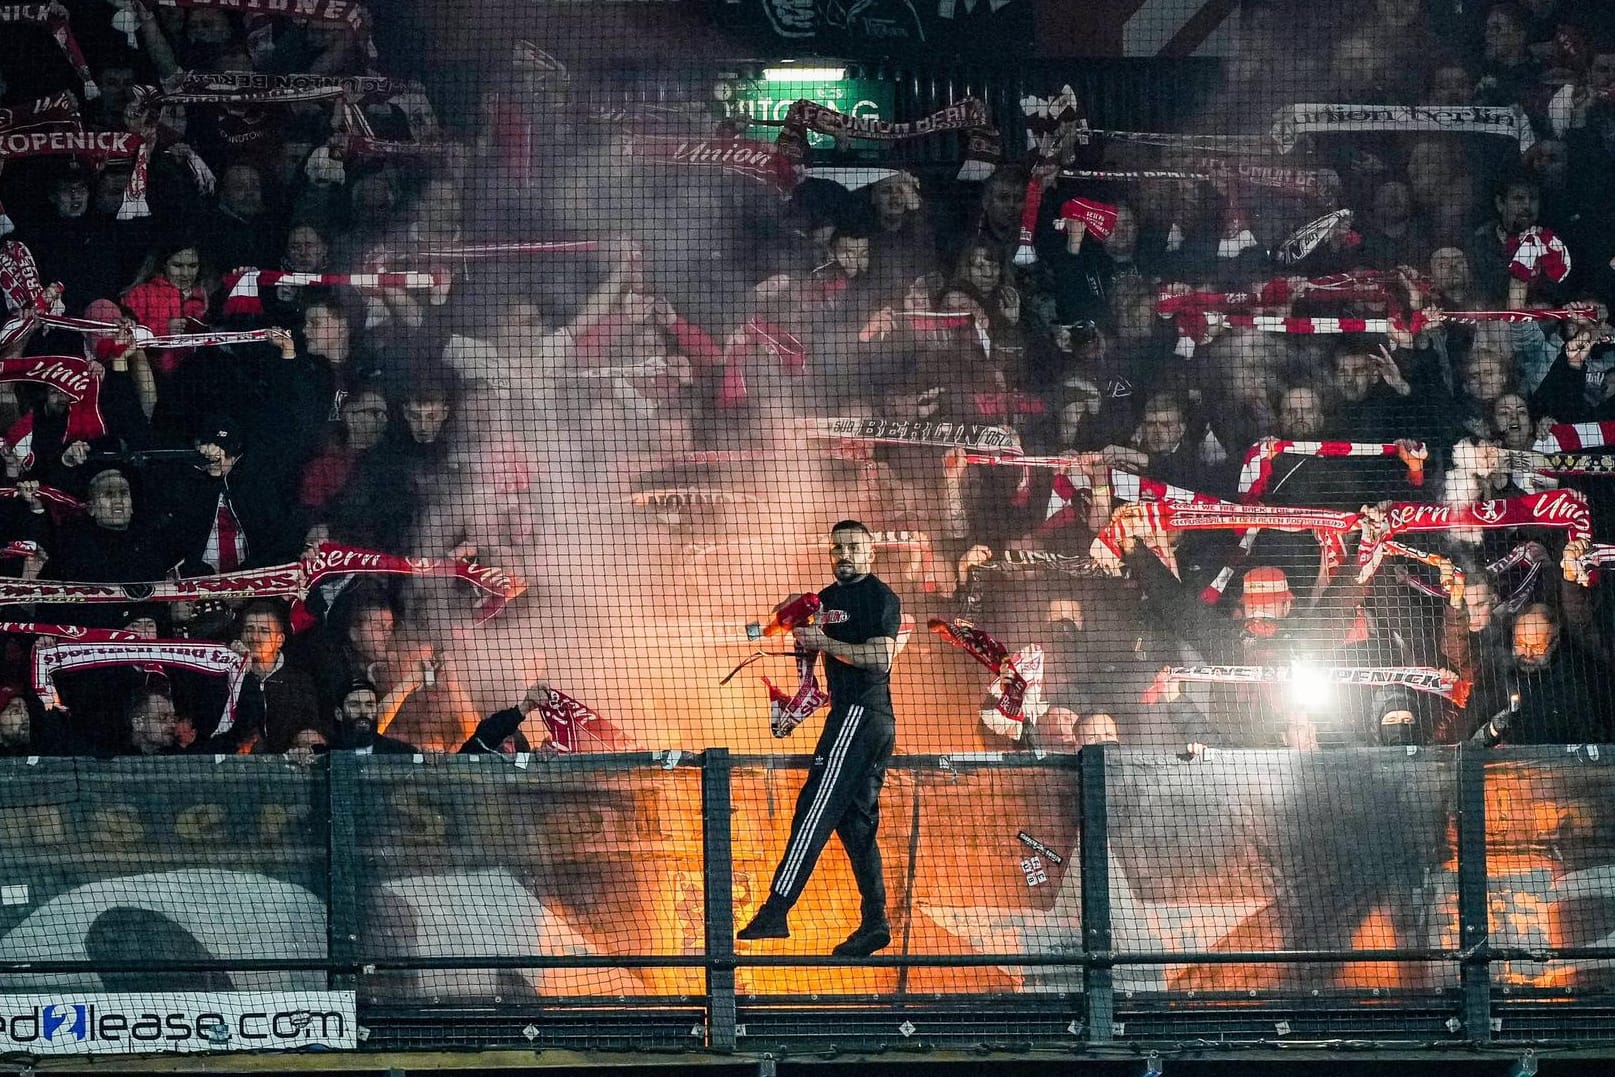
pixel 804 74
pixel 1309 686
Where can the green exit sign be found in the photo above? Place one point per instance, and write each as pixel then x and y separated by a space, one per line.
pixel 866 99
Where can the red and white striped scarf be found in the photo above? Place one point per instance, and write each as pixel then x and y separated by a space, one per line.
pixel 73 378
pixel 1257 470
pixel 244 287
pixel 57 113
pixel 55 21
pixel 49 494
pixel 1573 437
pixel 216 659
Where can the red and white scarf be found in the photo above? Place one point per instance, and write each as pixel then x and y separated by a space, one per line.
pixel 575 727
pixel 1441 682
pixel 945 435
pixel 143 337
pixel 73 632
pixel 73 378
pixel 57 113
pixel 20 283
pixel 61 140
pixel 329 562
pixel 244 287
pixel 217 659
pixel 1573 437
pixel 741 156
pixel 1559 509
pixel 1538 252
pixel 787 710
pixel 54 19
pixel 1257 470
pixel 50 494
pixel 1018 675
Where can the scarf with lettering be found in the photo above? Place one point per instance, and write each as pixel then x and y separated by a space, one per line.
pixel 56 113
pixel 327 563
pixel 243 288
pixel 1236 145
pixel 1018 675
pixel 53 19
pixel 1441 682
pixel 73 378
pixel 19 280
pixel 61 140
pixel 257 88
pixel 74 632
pixel 143 337
pixel 998 439
pixel 575 727
pixel 804 116
pixel 756 160
pixel 1559 509
pixel 331 13
pixel 1147 522
pixel 1292 121
pixel 217 659
pixel 787 710
pixel 354 137
pixel 1298 245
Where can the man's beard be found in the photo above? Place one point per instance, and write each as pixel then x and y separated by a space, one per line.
pixel 846 572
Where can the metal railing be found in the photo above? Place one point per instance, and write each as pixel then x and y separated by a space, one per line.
pixel 1112 897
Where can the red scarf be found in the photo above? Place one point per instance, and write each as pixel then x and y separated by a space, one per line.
pixel 54 19
pixel 1257 471
pixel 574 727
pixel 73 378
pixel 742 156
pixel 1561 509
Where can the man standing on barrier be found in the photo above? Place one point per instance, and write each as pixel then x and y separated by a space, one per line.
pixel 857 632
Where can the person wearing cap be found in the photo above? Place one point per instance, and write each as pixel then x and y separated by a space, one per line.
pixel 1265 596
pixel 225 510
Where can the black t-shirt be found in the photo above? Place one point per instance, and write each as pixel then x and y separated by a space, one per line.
pixel 857 613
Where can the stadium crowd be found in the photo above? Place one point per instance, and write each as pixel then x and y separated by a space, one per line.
pixel 313 324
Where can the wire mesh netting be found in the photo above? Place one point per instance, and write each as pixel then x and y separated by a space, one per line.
pixel 904 396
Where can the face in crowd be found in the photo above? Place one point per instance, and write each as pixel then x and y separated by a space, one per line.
pixel 1536 636
pixel 263 636
pixel 153 725
pixel 359 710
pixel 1300 414
pixel 364 417
pixel 182 268
pixel 425 417
pixel 852 554
pixel 110 503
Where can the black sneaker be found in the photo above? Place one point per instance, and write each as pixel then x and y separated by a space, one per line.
pixel 865 941
pixel 767 924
